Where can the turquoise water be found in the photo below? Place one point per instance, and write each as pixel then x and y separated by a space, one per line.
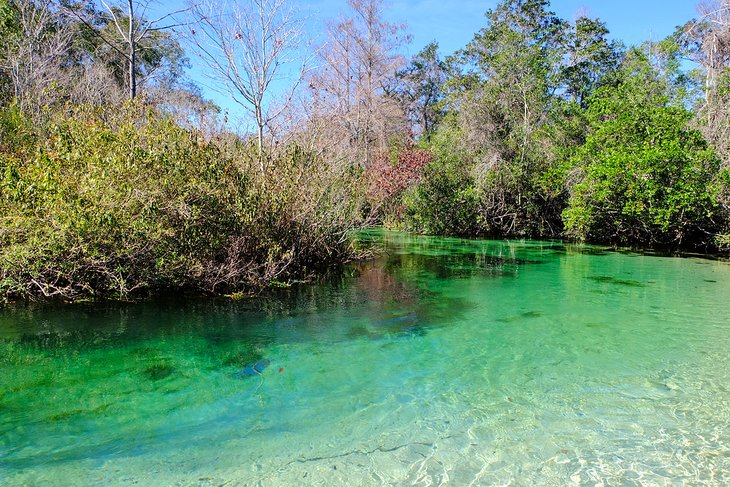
pixel 443 361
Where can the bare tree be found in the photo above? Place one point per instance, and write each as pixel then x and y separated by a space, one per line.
pixel 129 19
pixel 708 42
pixel 92 83
pixel 30 56
pixel 713 31
pixel 253 51
pixel 190 109
pixel 356 86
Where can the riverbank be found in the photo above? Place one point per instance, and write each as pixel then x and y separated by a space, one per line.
pixel 122 203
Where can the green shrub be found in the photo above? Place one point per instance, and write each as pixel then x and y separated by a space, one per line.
pixel 642 177
pixel 445 202
pixel 114 203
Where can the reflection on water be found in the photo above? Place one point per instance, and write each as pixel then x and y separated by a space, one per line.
pixel 445 360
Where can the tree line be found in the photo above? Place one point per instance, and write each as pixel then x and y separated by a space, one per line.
pixel 118 178
pixel 548 128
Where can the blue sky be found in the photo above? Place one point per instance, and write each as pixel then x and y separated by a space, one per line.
pixel 452 23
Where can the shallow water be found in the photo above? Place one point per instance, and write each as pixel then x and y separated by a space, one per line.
pixel 444 361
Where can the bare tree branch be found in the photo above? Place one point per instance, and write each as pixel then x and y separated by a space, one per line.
pixel 137 29
pixel 249 50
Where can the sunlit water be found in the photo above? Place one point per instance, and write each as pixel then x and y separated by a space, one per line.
pixel 444 361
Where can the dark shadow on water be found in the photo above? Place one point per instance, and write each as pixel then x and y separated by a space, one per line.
pixel 383 297
pixel 617 281
pixel 377 298
pixel 158 371
pixel 587 250
pixel 246 354
pixel 527 315
pixel 458 266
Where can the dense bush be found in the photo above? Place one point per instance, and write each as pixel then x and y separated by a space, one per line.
pixel 110 202
pixel 643 176
pixel 391 175
pixel 445 200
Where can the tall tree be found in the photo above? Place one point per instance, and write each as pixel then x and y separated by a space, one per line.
pixel 252 50
pixel 504 95
pixel 590 57
pixel 355 88
pixel 138 34
pixel 421 88
pixel 516 58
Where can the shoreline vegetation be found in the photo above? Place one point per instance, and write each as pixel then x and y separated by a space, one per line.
pixel 117 202
pixel 119 180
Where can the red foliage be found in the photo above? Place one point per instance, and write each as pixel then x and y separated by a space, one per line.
pixel 388 179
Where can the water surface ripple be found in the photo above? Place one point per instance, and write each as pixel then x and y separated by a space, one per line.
pixel 444 361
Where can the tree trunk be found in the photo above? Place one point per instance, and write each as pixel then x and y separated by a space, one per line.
pixel 132 65
pixel 260 123
pixel 260 137
pixel 132 53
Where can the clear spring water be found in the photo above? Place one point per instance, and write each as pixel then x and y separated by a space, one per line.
pixel 444 361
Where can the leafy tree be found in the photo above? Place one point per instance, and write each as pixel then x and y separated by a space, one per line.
pixel 590 57
pixel 512 71
pixel 515 58
pixel 643 175
pixel 422 89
